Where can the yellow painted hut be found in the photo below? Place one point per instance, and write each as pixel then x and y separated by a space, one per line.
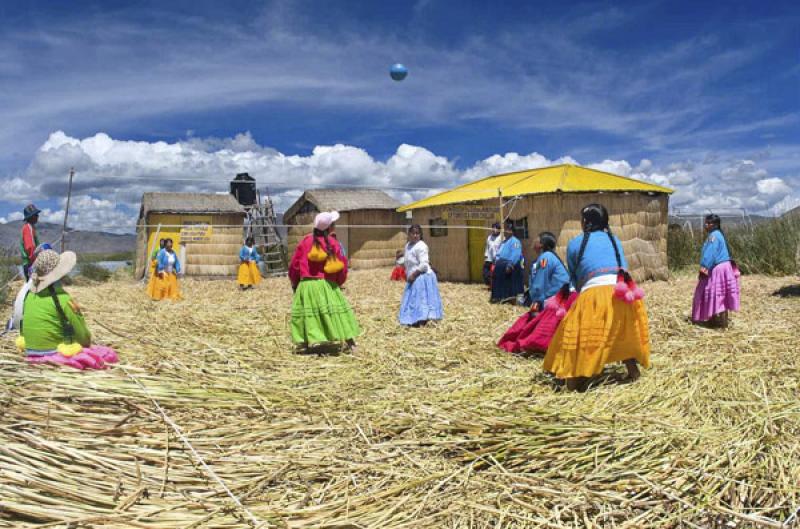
pixel 545 199
pixel 206 231
pixel 370 228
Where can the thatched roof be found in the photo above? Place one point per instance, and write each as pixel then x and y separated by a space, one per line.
pixel 343 200
pixel 794 212
pixel 200 203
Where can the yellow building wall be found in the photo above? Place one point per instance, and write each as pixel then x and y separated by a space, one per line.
pixel 169 229
pixel 212 251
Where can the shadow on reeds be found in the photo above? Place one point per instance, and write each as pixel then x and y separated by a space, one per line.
pixel 332 349
pixel 790 291
pixel 609 377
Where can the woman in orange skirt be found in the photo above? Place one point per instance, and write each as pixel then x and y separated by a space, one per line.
pixel 608 321
pixel 153 280
pixel 249 276
pixel 167 270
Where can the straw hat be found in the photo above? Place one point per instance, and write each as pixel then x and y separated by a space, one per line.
pixel 49 267
pixel 324 220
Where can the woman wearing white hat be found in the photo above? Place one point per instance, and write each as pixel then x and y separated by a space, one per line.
pixel 320 313
pixel 53 327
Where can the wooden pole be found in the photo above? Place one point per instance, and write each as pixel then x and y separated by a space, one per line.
pixel 502 220
pixel 66 211
pixel 147 253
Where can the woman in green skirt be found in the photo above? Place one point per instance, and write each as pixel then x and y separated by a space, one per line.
pixel 320 313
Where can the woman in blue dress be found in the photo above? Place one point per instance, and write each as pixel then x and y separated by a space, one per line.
pixel 508 281
pixel 421 300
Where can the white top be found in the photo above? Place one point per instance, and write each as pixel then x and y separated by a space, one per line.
pixel 600 281
pixel 492 247
pixel 416 258
pixel 19 304
pixel 170 262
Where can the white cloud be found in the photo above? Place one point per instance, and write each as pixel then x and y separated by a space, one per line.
pixel 773 186
pixel 788 203
pixel 91 213
pixel 14 215
pixel 620 167
pixel 112 174
pixel 417 166
pixel 509 163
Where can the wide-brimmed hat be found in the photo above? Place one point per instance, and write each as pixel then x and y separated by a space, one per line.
pixel 49 267
pixel 324 220
pixel 30 211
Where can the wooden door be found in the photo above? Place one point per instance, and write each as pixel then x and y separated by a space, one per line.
pixel 476 239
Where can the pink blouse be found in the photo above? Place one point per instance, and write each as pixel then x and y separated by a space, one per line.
pixel 301 267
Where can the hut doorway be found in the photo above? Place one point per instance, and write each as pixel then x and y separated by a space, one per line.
pixel 476 246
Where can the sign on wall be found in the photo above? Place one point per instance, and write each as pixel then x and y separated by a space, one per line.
pixel 472 213
pixel 195 233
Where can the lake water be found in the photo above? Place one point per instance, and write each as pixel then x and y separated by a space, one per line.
pixel 113 266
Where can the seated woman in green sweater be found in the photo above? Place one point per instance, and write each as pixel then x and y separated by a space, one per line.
pixel 53 327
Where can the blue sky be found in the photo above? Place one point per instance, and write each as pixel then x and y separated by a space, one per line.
pixel 142 96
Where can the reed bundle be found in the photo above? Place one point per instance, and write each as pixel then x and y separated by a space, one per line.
pixel 431 427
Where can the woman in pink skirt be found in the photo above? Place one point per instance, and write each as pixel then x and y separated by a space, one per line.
pixel 550 298
pixel 717 290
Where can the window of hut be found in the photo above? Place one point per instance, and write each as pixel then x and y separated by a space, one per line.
pixel 521 227
pixel 438 227
pixel 308 207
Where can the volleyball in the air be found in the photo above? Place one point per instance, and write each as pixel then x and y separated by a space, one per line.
pixel 398 72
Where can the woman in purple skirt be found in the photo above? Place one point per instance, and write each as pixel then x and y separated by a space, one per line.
pixel 717 290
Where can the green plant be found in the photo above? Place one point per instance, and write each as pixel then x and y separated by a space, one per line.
pixel 767 248
pixel 125 272
pixel 94 272
pixel 95 257
pixel 7 273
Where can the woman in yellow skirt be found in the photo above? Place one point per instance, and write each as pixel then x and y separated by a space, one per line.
pixel 249 276
pixel 167 270
pixel 151 282
pixel 608 321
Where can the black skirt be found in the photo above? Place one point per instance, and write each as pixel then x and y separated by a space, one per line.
pixel 506 287
pixel 487 273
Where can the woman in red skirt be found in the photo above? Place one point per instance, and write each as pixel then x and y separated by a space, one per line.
pixel 550 299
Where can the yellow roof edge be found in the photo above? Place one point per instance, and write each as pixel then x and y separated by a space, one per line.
pixel 659 189
pixel 663 189
pixel 409 206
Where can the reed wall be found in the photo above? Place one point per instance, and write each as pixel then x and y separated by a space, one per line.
pixel 214 254
pixel 367 247
pixel 638 219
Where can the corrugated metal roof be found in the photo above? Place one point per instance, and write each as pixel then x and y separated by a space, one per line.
pixel 343 199
pixel 558 178
pixel 189 203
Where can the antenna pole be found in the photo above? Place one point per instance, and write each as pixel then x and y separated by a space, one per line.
pixel 66 210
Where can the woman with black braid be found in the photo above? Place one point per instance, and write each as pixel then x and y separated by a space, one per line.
pixel 320 312
pixel 717 290
pixel 608 321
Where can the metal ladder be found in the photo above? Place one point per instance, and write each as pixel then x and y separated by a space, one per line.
pixel 262 226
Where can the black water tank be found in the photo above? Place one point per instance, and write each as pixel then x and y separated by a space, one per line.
pixel 243 187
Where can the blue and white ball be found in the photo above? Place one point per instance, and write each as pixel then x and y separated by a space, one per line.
pixel 398 72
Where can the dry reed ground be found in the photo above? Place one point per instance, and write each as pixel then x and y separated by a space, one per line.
pixel 419 428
